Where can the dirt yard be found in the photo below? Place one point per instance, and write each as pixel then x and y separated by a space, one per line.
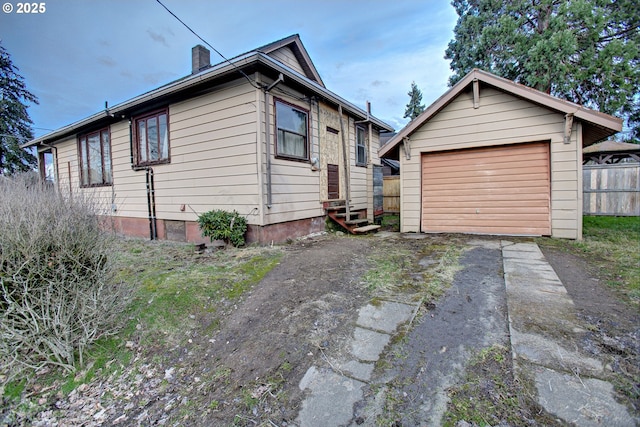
pixel 613 327
pixel 245 369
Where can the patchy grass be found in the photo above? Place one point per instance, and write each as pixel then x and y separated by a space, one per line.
pixel 262 395
pixel 388 273
pixel 106 357
pixel 441 277
pixel 613 246
pixel 176 291
pixel 390 222
pixel 489 395
pixel 14 389
pixel 395 270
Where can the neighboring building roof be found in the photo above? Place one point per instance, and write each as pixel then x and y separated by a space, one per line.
pixel 611 152
pixel 195 84
pixel 394 165
pixel 597 125
pixel 611 147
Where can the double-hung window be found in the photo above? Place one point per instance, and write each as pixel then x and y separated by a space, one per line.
pixel 152 138
pixel 361 147
pixel 95 158
pixel 292 125
pixel 47 164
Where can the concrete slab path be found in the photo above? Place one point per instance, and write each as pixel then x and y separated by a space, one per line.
pixel 545 334
pixel 332 392
pixel 543 328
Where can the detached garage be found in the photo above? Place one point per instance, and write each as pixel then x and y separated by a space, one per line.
pixel 494 157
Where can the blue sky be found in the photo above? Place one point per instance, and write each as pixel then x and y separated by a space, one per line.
pixel 80 53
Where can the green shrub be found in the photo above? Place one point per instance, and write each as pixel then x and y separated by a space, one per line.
pixel 57 288
pixel 229 227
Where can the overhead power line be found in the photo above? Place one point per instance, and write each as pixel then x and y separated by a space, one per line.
pixel 208 44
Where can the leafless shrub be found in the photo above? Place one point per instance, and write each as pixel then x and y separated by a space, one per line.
pixel 57 287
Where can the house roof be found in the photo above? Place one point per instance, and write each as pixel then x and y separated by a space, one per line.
pixel 301 54
pixel 386 137
pixel 194 84
pixel 596 125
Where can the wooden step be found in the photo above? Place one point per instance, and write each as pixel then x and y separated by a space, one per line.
pixel 349 221
pixel 357 221
pixel 353 215
pixel 366 228
pixel 333 203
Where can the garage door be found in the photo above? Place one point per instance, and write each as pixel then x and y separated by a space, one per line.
pixel 495 190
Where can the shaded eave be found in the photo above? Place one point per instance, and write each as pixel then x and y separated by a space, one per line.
pixel 197 84
pixel 596 125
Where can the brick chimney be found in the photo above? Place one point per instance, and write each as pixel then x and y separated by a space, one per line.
pixel 200 58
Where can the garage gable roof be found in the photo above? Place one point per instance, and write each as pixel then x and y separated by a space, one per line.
pixel 598 125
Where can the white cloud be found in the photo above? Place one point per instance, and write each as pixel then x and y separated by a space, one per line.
pixel 360 81
pixel 365 51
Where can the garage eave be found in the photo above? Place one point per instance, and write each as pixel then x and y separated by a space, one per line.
pixel 602 125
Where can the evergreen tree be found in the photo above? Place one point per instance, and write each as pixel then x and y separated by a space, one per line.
pixel 15 123
pixel 414 108
pixel 585 51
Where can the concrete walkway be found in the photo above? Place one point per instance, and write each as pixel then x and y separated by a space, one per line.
pixel 332 392
pixel 545 340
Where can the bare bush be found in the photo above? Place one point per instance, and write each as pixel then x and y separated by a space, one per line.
pixel 57 287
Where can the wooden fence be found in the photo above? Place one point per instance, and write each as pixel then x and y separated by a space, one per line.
pixel 391 194
pixel 611 189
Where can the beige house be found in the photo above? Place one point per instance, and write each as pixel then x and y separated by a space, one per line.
pixel 494 157
pixel 259 134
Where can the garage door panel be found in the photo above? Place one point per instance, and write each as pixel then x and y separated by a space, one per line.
pixel 463 177
pixel 503 190
pixel 481 219
pixel 526 210
pixel 501 205
pixel 493 154
pixel 523 230
pixel 489 185
pixel 488 151
pixel 481 225
pixel 495 168
pixel 489 193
